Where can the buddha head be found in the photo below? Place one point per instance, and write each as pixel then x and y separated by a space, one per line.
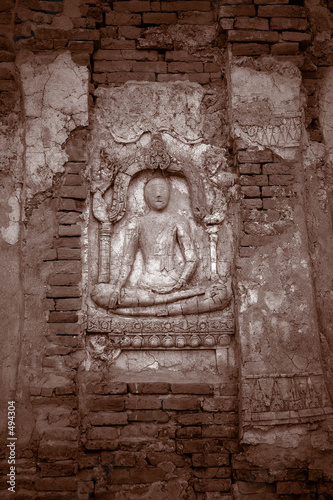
pixel 157 193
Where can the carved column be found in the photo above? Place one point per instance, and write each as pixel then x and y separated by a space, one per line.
pixel 104 236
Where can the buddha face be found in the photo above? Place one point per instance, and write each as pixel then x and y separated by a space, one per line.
pixel 157 194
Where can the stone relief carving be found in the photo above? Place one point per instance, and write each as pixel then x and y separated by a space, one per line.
pixel 163 238
pixel 161 232
pixel 283 132
pixel 285 398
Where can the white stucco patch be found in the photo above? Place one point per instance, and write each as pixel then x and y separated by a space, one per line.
pixel 55 102
pixel 10 232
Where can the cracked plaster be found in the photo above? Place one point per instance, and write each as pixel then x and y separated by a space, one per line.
pixel 55 103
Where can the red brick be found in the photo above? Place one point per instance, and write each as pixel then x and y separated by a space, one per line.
pixel 8 85
pixel 70 230
pixel 202 445
pixel 71 205
pixel 251 191
pixel 121 77
pixel 212 68
pixel 68 253
pixel 185 67
pixel 253 180
pixel 107 418
pixel 63 317
pixel 123 459
pixel 201 78
pixel 195 418
pixel 186 388
pixel 73 34
pixel 68 304
pixel 143 403
pixel 285 48
pixel 292 488
pixel 250 168
pixel 107 433
pixel 110 43
pixel 148 416
pixel 101 444
pixel 275 168
pixel 220 403
pixel 210 459
pixel 252 36
pixel 196 18
pixel 150 67
pixel 159 18
pixel 57 451
pixel 225 418
pixel 131 32
pixel 63 286
pixel 132 6
pixel 68 217
pixel 136 475
pixel 109 32
pixel 139 431
pixel 77 46
pixel 149 388
pixel 251 23
pixel 70 267
pixel 122 19
pixel 283 24
pixel 271 204
pixel 114 403
pixel 271 2
pixel 290 36
pixel 225 431
pixel 75 192
pixel 181 403
pixel 251 203
pixel 227 23
pixel 61 468
pixel 181 5
pixel 112 66
pixel 212 484
pixel 6 56
pixel 179 55
pixel 56 484
pixel 255 156
pixel 249 49
pixel 108 55
pixel 109 388
pixel 315 475
pixel 255 241
pixel 158 457
pixel 140 55
pixel 281 11
pixel 237 11
pixel 188 432
pixel 281 180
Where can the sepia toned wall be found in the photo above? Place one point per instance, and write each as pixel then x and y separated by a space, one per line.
pixel 228 403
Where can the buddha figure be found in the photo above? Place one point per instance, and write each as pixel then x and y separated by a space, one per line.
pixel 163 287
